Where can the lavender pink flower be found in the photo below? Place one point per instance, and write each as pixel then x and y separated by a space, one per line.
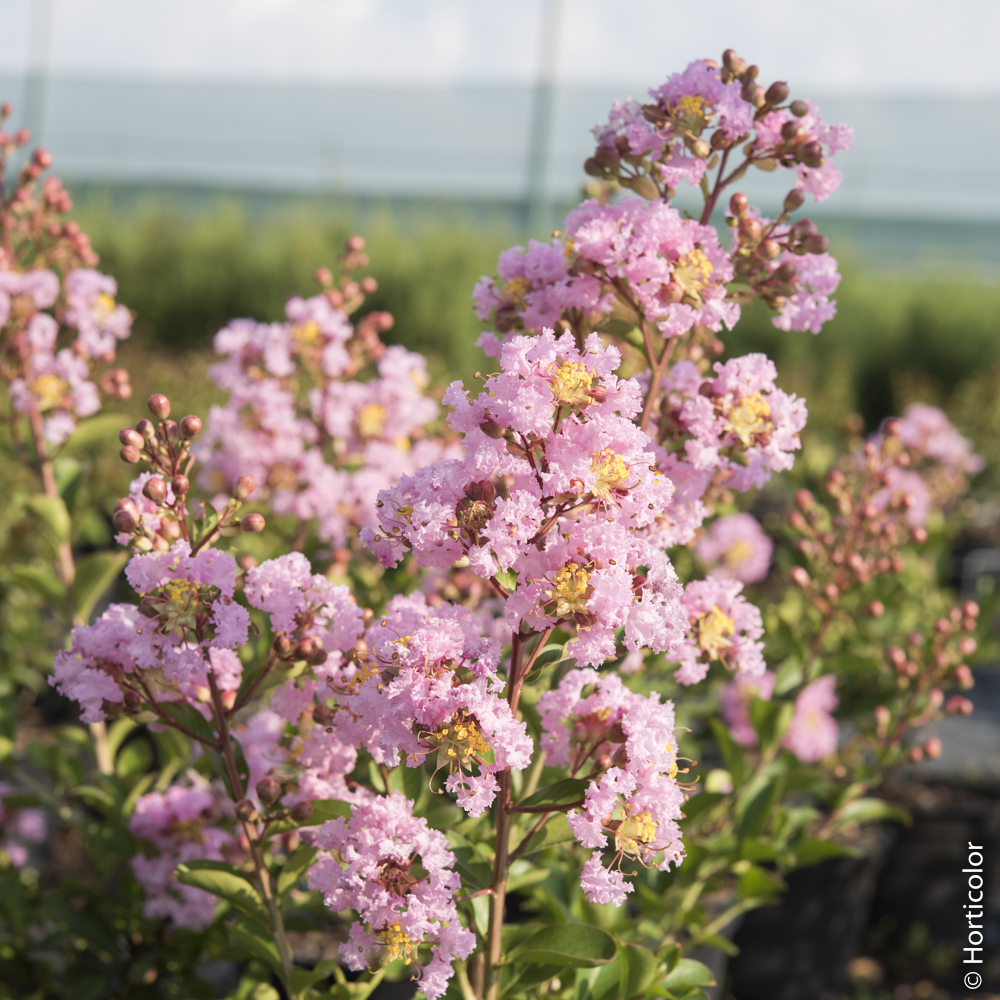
pixel 735 546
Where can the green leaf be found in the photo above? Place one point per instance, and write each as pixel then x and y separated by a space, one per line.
pixel 688 972
pixel 507 578
pixel 42 581
pixel 639 968
pixel 259 941
pixel 732 754
pixel 701 803
pixel 810 852
pixel 555 831
pixel 293 868
pixel 770 719
pixel 757 882
pixel 559 793
pixel 94 575
pixel 95 432
pixel 581 945
pixel 871 810
pixel 189 717
pixel 323 810
pixel 475 872
pixel 754 811
pixel 226 883
pixel 51 516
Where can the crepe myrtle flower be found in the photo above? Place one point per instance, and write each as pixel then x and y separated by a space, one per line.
pixel 735 546
pixel 724 627
pixel 398 875
pixel 632 810
pixel 738 423
pixel 579 483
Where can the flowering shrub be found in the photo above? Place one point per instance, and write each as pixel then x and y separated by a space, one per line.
pixel 544 706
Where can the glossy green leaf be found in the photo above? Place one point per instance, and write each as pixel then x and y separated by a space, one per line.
pixel 51 516
pixel 555 831
pixel 295 866
pixel 42 581
pixel 639 967
pixel 226 883
pixel 581 945
pixel 323 810
pixel 559 793
pixel 688 972
pixel 733 754
pixel 811 852
pixel 94 575
pixel 753 813
pixel 259 941
pixel 872 810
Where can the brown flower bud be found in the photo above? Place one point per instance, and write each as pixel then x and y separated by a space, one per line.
pixel 876 609
pixel 644 186
pixel 180 484
pixel 245 485
pixel 799 108
pixel 749 230
pixel 253 524
pixel 932 748
pixel 607 157
pixel 130 436
pixel 155 489
pixel 768 249
pixel 776 93
pixel 816 244
pixel 491 429
pixel 738 204
pixel 971 609
pixel 190 426
pixel 131 702
pixel 123 522
pixel 793 201
pixel 130 454
pixel 245 810
pixel 268 790
pixel 159 406
pixel 916 754
pixel 282 644
pixel 301 812
pixel 800 577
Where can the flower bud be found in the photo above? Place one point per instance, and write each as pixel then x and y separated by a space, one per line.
pixel 876 609
pixel 935 698
pixel 123 522
pixel 323 715
pixel 253 524
pixel 132 702
pixel 967 646
pixel 492 429
pixel 607 157
pixel 797 521
pixel 916 754
pixel 963 677
pixel 799 108
pixel 159 406
pixel 155 489
pixel 644 186
pixel 769 249
pixel 832 591
pixel 245 810
pixel 720 140
pixel 269 790
pixel 896 656
pixel 750 231
pixel 130 436
pixel 245 485
pixel 356 243
pixel 130 454
pixel 301 812
pixel 816 244
pixel 957 705
pixel 180 484
pixel 932 748
pixel 190 426
pixel 971 609
pixel 323 276
pixel 882 717
pixel 738 204
pixel 793 201
pixel 776 93
pixel 800 577
pixel 701 149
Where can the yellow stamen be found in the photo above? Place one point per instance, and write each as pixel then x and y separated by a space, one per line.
pixel 50 391
pixel 459 741
pixel 692 273
pixel 371 420
pixel 714 629
pixel 515 290
pixel 104 307
pixel 570 591
pixel 571 383
pixel 612 473
pixel 737 553
pixel 634 832
pixel 306 334
pixel 397 944
pixel 749 417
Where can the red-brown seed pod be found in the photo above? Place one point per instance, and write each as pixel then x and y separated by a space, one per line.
pixel 191 426
pixel 159 406
pixel 268 790
pixel 301 811
pixel 245 810
pixel 130 454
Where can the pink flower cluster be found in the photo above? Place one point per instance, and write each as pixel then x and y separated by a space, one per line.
pixel 397 874
pixel 735 546
pixel 634 796
pixel 669 269
pixel 552 498
pixel 429 689
pixel 929 434
pixel 322 454
pixel 187 626
pixel 178 825
pixel 724 627
pixel 738 424
pixel 812 734
pixel 52 380
pixel 535 287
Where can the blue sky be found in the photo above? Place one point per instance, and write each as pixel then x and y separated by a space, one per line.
pixel 944 47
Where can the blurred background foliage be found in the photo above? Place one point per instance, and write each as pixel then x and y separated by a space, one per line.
pixel 185 265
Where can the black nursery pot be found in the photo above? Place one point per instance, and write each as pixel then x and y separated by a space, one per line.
pixel 799 949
